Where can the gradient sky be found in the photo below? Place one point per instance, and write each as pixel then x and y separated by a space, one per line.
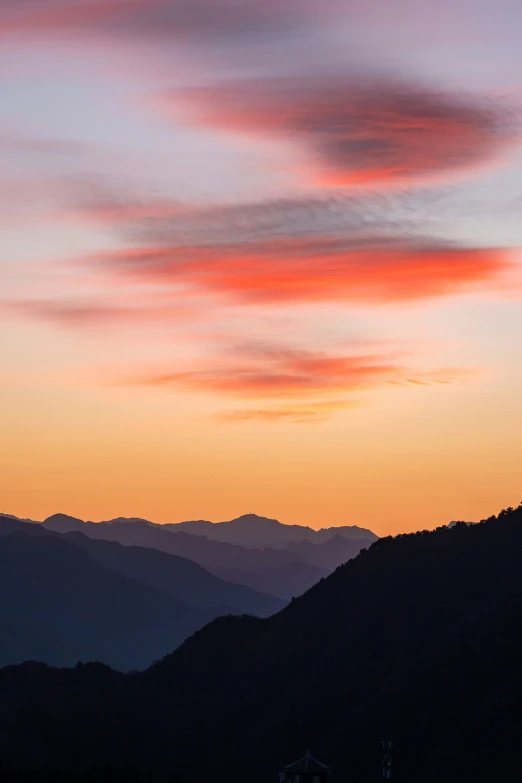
pixel 261 255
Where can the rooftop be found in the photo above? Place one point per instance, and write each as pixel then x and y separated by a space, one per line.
pixel 307 764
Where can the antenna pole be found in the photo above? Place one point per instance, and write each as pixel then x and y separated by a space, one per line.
pixel 387 760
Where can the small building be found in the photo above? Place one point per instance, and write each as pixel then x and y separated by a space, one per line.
pixel 306 770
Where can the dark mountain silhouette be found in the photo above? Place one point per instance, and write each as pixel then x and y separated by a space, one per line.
pixel 58 605
pixel 253 531
pixel 417 639
pixel 105 774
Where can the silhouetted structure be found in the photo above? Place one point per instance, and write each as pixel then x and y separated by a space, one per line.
pixel 387 759
pixel 305 770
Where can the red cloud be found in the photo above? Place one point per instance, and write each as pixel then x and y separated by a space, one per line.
pixel 318 269
pixel 282 374
pixel 299 379
pixel 362 132
pixel 368 247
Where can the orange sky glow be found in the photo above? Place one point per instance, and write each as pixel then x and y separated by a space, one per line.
pixel 261 257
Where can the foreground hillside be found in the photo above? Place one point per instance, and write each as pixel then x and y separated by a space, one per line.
pixel 418 638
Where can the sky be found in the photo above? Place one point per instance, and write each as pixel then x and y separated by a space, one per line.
pixel 261 256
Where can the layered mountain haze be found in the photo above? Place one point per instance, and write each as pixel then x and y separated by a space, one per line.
pixel 286 581
pixel 177 576
pixel 208 553
pixel 127 591
pixel 60 606
pixel 262 553
pixel 333 552
pixel 251 530
pixel 66 598
pixel 414 639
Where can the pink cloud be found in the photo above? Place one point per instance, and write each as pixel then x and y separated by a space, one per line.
pixel 359 131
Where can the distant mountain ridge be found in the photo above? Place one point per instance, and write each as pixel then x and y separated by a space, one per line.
pixel 188 578
pixel 283 560
pixel 178 576
pixel 57 604
pixel 258 552
pixel 207 552
pixel 66 598
pixel 251 530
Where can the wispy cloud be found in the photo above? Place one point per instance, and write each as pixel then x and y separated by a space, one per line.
pixel 146 216
pixel 96 313
pixel 15 141
pixel 305 413
pixel 292 385
pixel 300 270
pixel 371 248
pixel 257 372
pixel 360 131
pixel 236 266
pixel 201 21
pixel 367 248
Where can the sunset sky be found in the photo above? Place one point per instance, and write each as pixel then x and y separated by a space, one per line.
pixel 261 255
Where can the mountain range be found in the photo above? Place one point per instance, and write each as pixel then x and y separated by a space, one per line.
pixel 277 564
pixel 69 598
pixel 255 532
pixel 416 639
pixel 127 591
pixel 59 605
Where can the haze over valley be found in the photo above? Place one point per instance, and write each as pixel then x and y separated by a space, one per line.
pixel 127 592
